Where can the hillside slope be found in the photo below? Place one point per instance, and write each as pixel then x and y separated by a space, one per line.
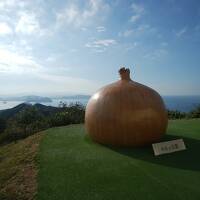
pixel 73 167
pixel 11 112
pixel 18 169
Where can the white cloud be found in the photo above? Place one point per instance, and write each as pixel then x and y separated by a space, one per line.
pixel 69 15
pixel 134 18
pixel 101 29
pixel 100 46
pixel 84 29
pixel 23 44
pixel 105 43
pixel 13 62
pixel 94 6
pixel 25 16
pixel 131 46
pixel 51 59
pixel 138 11
pixel 156 54
pixel 73 50
pixel 181 32
pixel 164 44
pixel 5 29
pixel 100 50
pixel 139 31
pixel 101 43
pixel 63 84
pixel 145 28
pixel 27 23
pixel 128 33
pixel 4 4
pixel 137 8
pixel 76 16
pixel 46 84
pixel 13 6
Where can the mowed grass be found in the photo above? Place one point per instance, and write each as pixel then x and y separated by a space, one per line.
pixel 72 167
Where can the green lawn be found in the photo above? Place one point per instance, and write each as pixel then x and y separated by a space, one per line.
pixel 71 167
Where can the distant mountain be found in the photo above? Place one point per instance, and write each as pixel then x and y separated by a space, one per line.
pixel 32 98
pixel 45 110
pixel 13 111
pixel 76 97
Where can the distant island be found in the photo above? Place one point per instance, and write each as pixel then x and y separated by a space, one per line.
pixel 28 99
pixel 79 96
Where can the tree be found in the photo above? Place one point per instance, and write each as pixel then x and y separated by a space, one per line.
pixel 27 117
pixel 2 125
pixel 195 113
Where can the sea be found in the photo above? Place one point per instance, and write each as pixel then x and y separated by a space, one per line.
pixel 180 103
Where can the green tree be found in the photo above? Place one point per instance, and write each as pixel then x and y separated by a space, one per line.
pixel 27 117
pixel 2 125
pixel 195 113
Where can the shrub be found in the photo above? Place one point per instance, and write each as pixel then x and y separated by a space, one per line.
pixel 195 113
pixel 2 125
pixel 71 114
pixel 175 114
pixel 60 119
pixel 11 133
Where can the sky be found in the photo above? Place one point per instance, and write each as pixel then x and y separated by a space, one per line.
pixel 63 47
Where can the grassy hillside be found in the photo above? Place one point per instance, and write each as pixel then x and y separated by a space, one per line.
pixel 18 169
pixel 73 167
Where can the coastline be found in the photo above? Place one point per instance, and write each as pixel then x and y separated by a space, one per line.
pixel 180 103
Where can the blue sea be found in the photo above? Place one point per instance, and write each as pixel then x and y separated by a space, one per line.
pixel 181 103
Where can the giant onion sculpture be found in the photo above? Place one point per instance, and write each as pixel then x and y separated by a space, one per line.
pixel 126 113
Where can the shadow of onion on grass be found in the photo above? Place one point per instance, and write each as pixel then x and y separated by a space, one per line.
pixel 188 159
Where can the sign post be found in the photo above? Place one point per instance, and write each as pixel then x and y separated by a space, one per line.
pixel 168 147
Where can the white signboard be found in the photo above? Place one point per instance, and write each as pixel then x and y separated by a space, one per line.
pixel 168 147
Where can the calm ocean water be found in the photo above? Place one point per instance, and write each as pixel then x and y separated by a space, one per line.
pixel 181 103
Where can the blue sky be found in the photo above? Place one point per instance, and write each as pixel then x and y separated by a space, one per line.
pixel 50 47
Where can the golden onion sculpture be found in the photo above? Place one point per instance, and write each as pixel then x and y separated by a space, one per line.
pixel 126 113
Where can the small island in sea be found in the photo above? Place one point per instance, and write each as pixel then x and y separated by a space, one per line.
pixel 28 99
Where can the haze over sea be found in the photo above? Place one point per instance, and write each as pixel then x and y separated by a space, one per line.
pixel 181 103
